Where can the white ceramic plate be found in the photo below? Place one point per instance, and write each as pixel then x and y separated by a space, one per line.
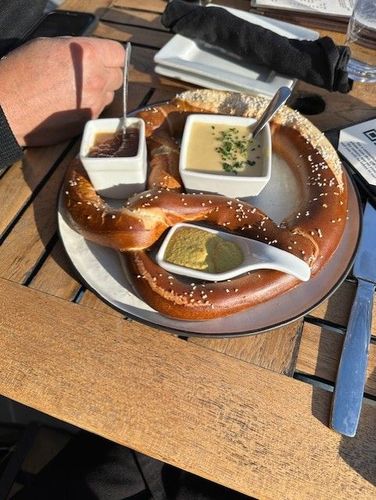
pixel 183 59
pixel 101 270
pixel 202 81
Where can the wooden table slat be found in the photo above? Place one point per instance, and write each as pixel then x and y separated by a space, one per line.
pixel 138 95
pixel 341 110
pixel 275 350
pixel 57 276
pixel 19 182
pixel 135 17
pixel 97 7
pixel 142 71
pixel 320 351
pixel 336 309
pixel 133 34
pixel 90 299
pixel 147 5
pixel 26 243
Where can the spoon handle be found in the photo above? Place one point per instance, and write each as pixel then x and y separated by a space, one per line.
pixel 128 50
pixel 279 98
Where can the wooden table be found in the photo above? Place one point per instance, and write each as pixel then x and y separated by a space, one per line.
pixel 250 413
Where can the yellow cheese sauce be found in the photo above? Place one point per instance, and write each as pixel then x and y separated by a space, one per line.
pixel 198 249
pixel 223 149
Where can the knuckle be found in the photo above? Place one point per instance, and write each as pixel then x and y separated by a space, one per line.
pixel 109 97
pixel 120 78
pixel 97 108
pixel 97 83
pixel 88 49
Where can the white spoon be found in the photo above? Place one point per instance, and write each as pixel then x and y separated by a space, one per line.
pixel 257 255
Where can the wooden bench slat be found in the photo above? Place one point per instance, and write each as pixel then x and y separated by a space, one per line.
pixel 232 422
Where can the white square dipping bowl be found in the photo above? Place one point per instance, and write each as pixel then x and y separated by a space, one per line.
pixel 114 177
pixel 232 185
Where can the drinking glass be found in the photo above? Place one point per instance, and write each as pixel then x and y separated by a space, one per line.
pixel 361 39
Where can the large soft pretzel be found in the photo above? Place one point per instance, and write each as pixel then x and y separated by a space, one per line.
pixel 312 233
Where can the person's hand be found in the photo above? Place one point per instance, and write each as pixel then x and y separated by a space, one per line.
pixel 50 87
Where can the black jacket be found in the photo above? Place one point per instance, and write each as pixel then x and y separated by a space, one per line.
pixel 17 17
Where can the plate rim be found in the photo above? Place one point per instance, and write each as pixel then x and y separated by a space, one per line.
pixel 181 333
pixel 257 331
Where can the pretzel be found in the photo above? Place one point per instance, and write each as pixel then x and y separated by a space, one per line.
pixel 312 233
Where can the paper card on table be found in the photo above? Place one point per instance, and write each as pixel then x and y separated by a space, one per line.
pixel 357 144
pixel 328 7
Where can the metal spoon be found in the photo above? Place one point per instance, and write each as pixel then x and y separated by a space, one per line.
pixel 125 89
pixel 279 98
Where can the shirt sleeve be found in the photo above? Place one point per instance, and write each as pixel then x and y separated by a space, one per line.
pixel 10 150
pixel 17 17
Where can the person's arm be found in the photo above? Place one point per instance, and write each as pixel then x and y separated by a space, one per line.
pixel 50 87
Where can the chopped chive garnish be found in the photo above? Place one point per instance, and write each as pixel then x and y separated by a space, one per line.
pixel 233 150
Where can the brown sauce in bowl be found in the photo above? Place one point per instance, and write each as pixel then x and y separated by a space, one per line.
pixel 107 145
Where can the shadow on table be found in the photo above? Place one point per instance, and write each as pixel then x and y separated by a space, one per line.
pixel 358 452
